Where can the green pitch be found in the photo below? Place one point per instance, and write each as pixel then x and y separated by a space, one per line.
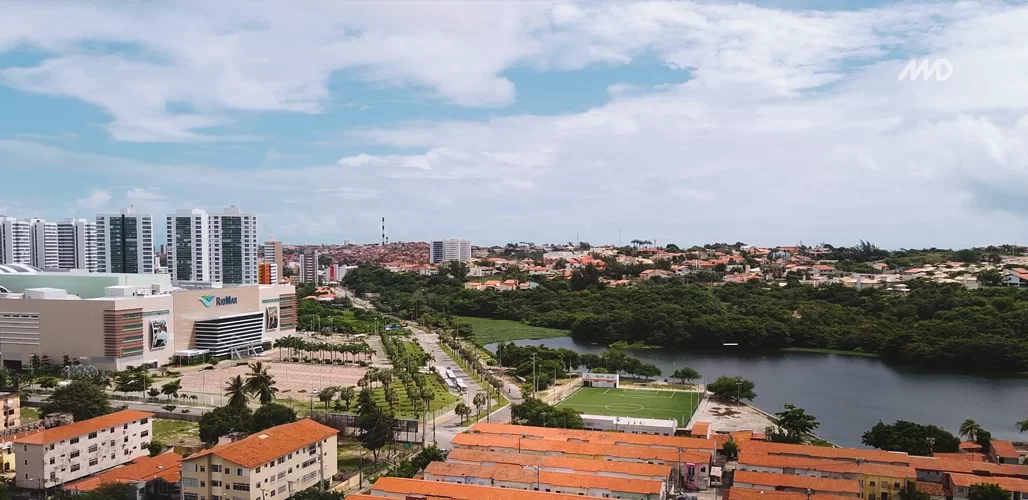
pixel 634 403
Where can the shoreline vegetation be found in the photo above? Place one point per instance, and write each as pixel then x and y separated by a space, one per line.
pixel 936 326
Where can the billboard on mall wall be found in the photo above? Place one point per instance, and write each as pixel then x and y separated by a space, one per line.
pixel 158 334
pixel 272 318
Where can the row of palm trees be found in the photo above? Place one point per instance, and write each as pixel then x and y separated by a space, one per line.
pixel 324 350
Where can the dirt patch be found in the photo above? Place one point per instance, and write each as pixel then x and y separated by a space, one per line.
pixel 723 411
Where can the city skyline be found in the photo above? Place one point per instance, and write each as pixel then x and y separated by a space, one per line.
pixel 762 122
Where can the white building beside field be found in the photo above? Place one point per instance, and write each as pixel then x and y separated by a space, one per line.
pixel 630 425
pixel 609 380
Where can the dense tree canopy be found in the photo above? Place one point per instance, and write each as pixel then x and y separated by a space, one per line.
pixel 910 437
pixel 988 492
pixel 537 413
pixel 936 325
pixel 732 389
pixel 792 425
pixel 224 420
pixel 82 399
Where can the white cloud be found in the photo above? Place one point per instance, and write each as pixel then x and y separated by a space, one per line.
pixel 96 200
pixel 208 60
pixel 793 127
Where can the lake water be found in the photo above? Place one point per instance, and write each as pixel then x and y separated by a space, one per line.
pixel 850 394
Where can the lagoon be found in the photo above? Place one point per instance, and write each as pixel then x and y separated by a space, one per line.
pixel 849 394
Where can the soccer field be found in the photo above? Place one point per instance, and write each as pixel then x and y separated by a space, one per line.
pixel 634 403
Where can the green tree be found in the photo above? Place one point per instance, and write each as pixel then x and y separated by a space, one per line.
pixel 970 430
pixel 537 413
pixel 155 447
pixel 346 394
pixel 464 329
pixel 463 411
pixel 730 450
pixel 584 278
pixel 376 428
pixel 410 468
pixel 315 493
pixel 910 437
pixel 171 388
pixel 1022 426
pixel 271 415
pixel 235 391
pixel 988 492
pixel 260 383
pixel 82 399
pixel 686 375
pixel 793 424
pixel 910 492
pixel 325 395
pixel 224 420
pixel 732 389
pixel 990 277
pixel 479 402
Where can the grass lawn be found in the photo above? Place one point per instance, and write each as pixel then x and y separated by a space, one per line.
pixel 29 414
pixel 404 406
pixel 639 403
pixel 176 432
pixel 488 331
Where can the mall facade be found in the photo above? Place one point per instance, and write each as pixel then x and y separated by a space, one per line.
pixel 133 325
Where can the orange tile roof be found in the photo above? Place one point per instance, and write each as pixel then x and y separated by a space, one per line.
pixel 560 479
pixel 933 489
pixel 495 443
pixel 700 429
pixel 970 457
pixel 1002 449
pixel 414 487
pixel 269 444
pixel 1007 483
pixel 84 427
pixel 816 484
pixel 574 464
pixel 800 450
pixel 752 494
pixel 748 458
pixel 549 433
pixel 167 467
pixel 969 446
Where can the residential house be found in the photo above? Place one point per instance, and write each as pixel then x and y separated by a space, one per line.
pixel 1003 452
pixel 273 463
pixel 507 476
pixel 55 456
pixel 395 487
pixel 959 485
pixel 626 470
pixel 655 273
pixel 798 484
pixel 152 477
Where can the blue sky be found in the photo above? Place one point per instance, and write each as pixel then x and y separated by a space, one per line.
pixel 771 122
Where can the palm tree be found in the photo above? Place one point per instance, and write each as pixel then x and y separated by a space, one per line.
pixel 346 394
pixel 325 395
pixel 260 383
pixel 235 391
pixel 970 430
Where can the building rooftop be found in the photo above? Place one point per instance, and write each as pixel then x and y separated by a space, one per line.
pixel 1007 483
pixel 600 437
pixel 433 489
pixel 1003 449
pixel 752 494
pixel 84 427
pixel 19 269
pixel 514 473
pixel 574 464
pixel 579 448
pixel 816 484
pixel 269 444
pixel 167 467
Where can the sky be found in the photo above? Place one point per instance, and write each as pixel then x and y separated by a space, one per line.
pixel 772 123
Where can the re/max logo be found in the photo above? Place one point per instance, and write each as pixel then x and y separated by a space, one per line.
pixel 210 300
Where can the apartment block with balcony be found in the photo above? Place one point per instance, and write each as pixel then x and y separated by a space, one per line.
pixel 11 403
pixel 52 457
pixel 275 463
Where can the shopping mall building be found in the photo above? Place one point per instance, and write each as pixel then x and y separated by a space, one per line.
pixel 113 321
